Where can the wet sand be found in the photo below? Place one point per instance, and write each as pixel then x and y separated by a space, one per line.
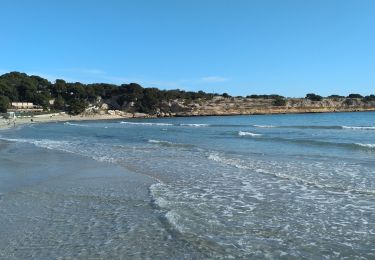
pixel 60 205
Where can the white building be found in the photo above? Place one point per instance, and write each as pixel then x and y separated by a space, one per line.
pixel 22 105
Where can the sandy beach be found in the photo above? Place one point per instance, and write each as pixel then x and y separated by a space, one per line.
pixel 56 117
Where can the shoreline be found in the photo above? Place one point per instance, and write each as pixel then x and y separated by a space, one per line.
pixel 50 118
pixel 61 117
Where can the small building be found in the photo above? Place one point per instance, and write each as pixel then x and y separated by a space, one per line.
pixel 22 105
pixel 11 115
pixel 25 107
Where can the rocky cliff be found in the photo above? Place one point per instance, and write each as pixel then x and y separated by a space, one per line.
pixel 247 106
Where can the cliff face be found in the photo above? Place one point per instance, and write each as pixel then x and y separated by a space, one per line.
pixel 247 106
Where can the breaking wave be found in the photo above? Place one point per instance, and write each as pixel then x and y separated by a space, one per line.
pixel 359 127
pixel 146 123
pixel 75 124
pixel 243 133
pixel 369 146
pixel 333 127
pixel 195 125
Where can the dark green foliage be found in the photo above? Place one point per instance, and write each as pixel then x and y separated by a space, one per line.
pixel 4 104
pixel 8 91
pixel 226 95
pixel 355 96
pixel 314 97
pixel 76 106
pixel 59 88
pixel 349 102
pixel 59 103
pixel 21 87
pixel 149 101
pixel 335 97
pixel 280 102
pixel 272 96
pixel 369 98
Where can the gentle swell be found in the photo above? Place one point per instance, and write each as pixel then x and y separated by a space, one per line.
pixel 311 142
pixel 265 126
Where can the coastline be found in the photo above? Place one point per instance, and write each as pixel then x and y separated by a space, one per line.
pixel 62 117
pixel 48 118
pixel 273 111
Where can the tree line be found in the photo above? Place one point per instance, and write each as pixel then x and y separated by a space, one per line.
pixel 75 97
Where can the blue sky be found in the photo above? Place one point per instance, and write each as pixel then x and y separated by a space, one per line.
pixel 289 47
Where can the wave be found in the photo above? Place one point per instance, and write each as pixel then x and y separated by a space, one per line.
pixel 146 123
pixel 359 127
pixel 232 162
pixel 158 141
pixel 163 124
pixel 240 164
pixel 334 127
pixel 354 146
pixel 337 127
pixel 309 142
pixel 195 125
pixel 243 133
pixel 168 144
pixel 369 146
pixel 68 147
pixel 310 127
pixel 75 124
pixel 264 126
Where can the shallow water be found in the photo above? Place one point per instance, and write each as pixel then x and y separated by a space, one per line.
pixel 260 187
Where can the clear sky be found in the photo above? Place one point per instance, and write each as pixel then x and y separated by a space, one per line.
pixel 289 47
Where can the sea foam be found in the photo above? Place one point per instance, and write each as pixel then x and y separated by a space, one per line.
pixel 359 127
pixel 370 146
pixel 195 125
pixel 243 133
pixel 146 124
pixel 75 124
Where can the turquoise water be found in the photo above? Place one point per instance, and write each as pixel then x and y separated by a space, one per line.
pixel 267 186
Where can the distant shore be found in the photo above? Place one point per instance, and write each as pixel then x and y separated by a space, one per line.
pixel 274 111
pixel 62 117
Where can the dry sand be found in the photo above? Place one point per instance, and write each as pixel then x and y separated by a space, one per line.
pixel 57 117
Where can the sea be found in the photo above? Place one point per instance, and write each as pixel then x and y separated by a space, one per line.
pixel 293 186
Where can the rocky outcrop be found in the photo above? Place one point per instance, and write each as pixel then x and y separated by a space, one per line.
pixel 247 106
